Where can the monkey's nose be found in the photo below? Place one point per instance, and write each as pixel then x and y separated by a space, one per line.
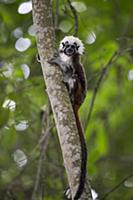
pixel 70 50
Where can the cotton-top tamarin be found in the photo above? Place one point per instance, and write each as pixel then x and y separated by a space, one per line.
pixel 68 59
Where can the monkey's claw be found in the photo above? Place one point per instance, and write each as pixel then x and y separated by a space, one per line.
pixel 67 194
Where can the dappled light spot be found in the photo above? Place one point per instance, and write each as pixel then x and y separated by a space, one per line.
pixel 94 194
pixel 22 125
pixel 7 1
pixel 32 30
pixel 129 183
pixel 10 104
pixel 25 7
pixel 65 26
pixel 8 70
pixel 130 75
pixel 91 38
pixel 17 33
pixel 6 127
pixel 26 70
pixel 20 158
pixel 79 6
pixel 22 44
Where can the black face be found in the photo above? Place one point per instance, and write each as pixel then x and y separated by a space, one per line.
pixel 70 49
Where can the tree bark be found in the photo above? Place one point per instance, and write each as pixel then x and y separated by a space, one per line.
pixel 58 95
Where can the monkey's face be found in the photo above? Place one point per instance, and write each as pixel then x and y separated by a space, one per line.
pixel 71 45
pixel 70 49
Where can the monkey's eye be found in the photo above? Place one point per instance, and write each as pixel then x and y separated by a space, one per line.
pixel 75 43
pixel 73 46
pixel 63 44
pixel 67 46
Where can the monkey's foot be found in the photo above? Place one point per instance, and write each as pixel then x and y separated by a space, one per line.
pixel 67 194
pixel 38 58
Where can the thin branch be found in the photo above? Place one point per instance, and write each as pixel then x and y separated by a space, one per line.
pixel 39 170
pixel 103 73
pixel 74 12
pixel 116 187
pixel 40 164
pixel 43 146
pixel 110 62
pixel 56 14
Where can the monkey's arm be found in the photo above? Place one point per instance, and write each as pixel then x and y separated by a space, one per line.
pixel 56 60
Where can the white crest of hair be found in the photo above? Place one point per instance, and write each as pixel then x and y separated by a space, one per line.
pixel 71 40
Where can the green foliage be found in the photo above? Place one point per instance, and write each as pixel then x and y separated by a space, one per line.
pixel 104 26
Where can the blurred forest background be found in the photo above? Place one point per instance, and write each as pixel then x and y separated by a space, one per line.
pixel 27 169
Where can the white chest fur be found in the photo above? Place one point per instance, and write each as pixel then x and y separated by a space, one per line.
pixel 65 58
pixel 66 63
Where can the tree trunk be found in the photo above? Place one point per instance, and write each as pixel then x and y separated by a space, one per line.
pixel 58 96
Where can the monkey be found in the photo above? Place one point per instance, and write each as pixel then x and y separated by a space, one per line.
pixel 68 59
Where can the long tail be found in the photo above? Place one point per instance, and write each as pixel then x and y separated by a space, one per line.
pixel 83 157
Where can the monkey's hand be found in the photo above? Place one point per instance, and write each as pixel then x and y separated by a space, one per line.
pixel 55 60
pixel 52 61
